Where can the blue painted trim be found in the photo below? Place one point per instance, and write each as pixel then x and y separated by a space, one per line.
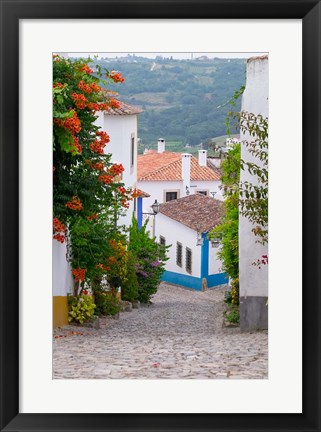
pixel 194 282
pixel 182 279
pixel 217 279
pixel 204 256
pixel 140 212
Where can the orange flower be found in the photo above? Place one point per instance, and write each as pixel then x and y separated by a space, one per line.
pixel 59 230
pixel 116 76
pixel 79 274
pixel 73 123
pixel 117 169
pixel 85 87
pixel 107 179
pixel 74 203
pixel 92 217
pixel 135 193
pixel 85 68
pixel 80 100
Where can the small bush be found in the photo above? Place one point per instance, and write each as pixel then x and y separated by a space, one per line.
pixel 235 300
pixel 106 303
pixel 129 289
pixel 233 316
pixel 228 297
pixel 150 258
pixel 81 308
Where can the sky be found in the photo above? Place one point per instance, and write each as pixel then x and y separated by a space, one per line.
pixel 180 56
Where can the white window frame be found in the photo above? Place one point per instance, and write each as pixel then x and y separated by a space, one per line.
pixel 170 190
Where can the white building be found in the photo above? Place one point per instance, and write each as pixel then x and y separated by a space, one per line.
pixel 121 126
pixel 166 176
pixel 184 224
pixel 253 281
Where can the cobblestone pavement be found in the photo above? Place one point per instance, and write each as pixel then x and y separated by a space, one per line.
pixel 179 336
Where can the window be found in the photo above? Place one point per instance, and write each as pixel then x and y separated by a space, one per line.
pixel 202 192
pixel 171 196
pixel 179 254
pixel 188 261
pixel 162 240
pixel 132 151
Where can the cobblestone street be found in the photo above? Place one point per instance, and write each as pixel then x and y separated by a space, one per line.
pixel 179 336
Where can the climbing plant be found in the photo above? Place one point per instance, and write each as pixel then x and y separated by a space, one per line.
pixel 228 231
pixel 88 194
pixel 253 193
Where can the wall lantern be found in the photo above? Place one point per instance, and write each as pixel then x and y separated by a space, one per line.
pixel 199 238
pixel 155 207
pixel 213 194
pixel 187 191
pixel 215 242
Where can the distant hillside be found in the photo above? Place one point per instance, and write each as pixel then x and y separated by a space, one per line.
pixel 183 100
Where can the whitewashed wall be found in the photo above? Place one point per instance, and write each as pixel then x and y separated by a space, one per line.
pixel 120 129
pixel 156 189
pixel 214 265
pixel 173 232
pixel 253 281
pixel 62 281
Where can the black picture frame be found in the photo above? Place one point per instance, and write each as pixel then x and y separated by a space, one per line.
pixel 13 10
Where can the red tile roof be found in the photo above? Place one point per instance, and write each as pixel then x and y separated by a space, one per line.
pixel 193 210
pixel 124 109
pixel 168 166
pixel 142 193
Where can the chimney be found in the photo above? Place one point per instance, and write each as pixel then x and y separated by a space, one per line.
pixel 202 157
pixel 186 173
pixel 160 145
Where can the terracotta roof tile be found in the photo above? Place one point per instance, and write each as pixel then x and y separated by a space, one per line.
pixel 142 193
pixel 124 109
pixel 193 210
pixel 168 166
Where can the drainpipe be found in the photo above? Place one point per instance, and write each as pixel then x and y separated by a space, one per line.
pixel 186 173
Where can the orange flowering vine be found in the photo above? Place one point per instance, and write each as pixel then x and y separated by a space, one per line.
pixel 116 169
pixel 80 100
pixel 59 230
pixel 114 103
pixel 86 88
pixel 105 178
pixel 85 68
pixel 74 203
pixel 98 145
pixel 72 124
pixel 92 217
pixel 116 76
pixel 135 193
pixel 79 274
pixel 98 166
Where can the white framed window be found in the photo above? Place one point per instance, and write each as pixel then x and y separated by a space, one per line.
pixel 203 192
pixel 171 194
pixel 188 260
pixel 132 151
pixel 179 254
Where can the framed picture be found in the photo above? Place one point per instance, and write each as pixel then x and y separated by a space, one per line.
pixel 24 259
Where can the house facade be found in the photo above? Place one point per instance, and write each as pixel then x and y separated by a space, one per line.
pixel 184 225
pixel 121 126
